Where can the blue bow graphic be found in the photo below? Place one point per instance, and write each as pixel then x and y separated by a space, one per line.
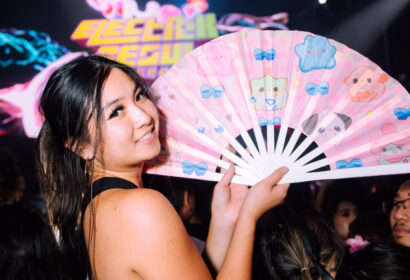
pixel 270 101
pixel 199 169
pixel 341 164
pixel 264 121
pixel 313 89
pixel 207 91
pixel 402 113
pixel 261 54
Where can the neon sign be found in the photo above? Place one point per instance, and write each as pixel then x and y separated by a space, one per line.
pixel 149 46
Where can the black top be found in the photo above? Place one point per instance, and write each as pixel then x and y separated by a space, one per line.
pixel 104 184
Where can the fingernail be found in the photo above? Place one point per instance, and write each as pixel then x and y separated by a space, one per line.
pixel 284 169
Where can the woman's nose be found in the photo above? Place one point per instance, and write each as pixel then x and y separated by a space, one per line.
pixel 140 117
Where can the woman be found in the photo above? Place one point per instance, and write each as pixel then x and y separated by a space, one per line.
pixel 100 127
pixel 342 205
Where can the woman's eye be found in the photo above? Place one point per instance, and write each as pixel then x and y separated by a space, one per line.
pixel 116 112
pixel 140 96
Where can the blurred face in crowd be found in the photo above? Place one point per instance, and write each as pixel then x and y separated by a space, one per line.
pixel 400 215
pixel 346 213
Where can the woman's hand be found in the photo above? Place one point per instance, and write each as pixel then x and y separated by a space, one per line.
pixel 228 199
pixel 226 204
pixel 260 198
pixel 265 195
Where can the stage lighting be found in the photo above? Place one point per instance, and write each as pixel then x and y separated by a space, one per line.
pixel 322 2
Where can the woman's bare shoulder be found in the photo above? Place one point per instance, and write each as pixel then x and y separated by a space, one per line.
pixel 146 234
pixel 135 204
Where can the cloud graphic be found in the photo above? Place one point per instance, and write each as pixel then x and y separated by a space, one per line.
pixel 315 52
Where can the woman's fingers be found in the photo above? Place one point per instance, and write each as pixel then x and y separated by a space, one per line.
pixel 275 177
pixel 227 178
pixel 266 194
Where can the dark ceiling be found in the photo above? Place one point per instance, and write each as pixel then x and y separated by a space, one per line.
pixel 389 48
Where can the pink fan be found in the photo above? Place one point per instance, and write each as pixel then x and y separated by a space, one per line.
pixel 263 99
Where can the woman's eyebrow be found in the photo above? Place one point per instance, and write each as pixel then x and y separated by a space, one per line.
pixel 108 104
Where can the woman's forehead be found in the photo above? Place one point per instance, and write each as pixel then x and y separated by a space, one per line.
pixel 118 85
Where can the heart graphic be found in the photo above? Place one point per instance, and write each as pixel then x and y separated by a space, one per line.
pixel 190 10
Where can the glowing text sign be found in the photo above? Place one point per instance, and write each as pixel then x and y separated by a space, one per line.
pixel 149 46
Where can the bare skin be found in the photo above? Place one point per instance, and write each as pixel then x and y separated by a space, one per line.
pixel 346 213
pixel 400 215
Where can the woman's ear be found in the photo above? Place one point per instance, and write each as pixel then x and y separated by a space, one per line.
pixel 85 151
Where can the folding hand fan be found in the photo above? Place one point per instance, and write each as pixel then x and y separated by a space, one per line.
pixel 263 99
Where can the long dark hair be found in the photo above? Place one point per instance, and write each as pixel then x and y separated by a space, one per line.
pixel 295 246
pixel 384 261
pixel 71 98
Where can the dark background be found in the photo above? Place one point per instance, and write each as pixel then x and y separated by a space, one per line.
pixel 379 29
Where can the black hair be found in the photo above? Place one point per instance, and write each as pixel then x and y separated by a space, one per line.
pixel 10 178
pixel 28 249
pixel 295 245
pixel 349 190
pixel 71 98
pixel 384 261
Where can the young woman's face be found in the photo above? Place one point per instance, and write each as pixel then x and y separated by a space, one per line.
pixel 346 213
pixel 129 126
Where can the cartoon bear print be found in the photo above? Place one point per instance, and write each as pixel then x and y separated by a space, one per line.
pixel 269 93
pixel 330 133
pixel 365 84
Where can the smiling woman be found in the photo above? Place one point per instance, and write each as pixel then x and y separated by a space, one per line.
pixel 100 128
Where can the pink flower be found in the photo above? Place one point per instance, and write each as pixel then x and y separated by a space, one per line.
pixel 356 243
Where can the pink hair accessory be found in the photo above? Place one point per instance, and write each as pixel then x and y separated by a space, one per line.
pixel 356 243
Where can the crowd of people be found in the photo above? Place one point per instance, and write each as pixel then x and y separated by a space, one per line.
pixel 101 221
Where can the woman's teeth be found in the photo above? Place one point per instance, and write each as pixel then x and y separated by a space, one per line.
pixel 145 137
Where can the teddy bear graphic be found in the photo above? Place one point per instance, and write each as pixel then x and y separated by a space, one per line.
pixel 365 84
pixel 269 93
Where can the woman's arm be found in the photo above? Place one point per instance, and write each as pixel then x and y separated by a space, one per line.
pixel 261 197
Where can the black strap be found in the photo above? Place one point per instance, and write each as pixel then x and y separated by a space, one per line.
pixel 104 184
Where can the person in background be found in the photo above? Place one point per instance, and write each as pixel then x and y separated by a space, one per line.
pixel 377 261
pixel 293 245
pixel 342 205
pixel 398 210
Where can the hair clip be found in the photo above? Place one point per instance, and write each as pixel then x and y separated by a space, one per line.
pixel 304 268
